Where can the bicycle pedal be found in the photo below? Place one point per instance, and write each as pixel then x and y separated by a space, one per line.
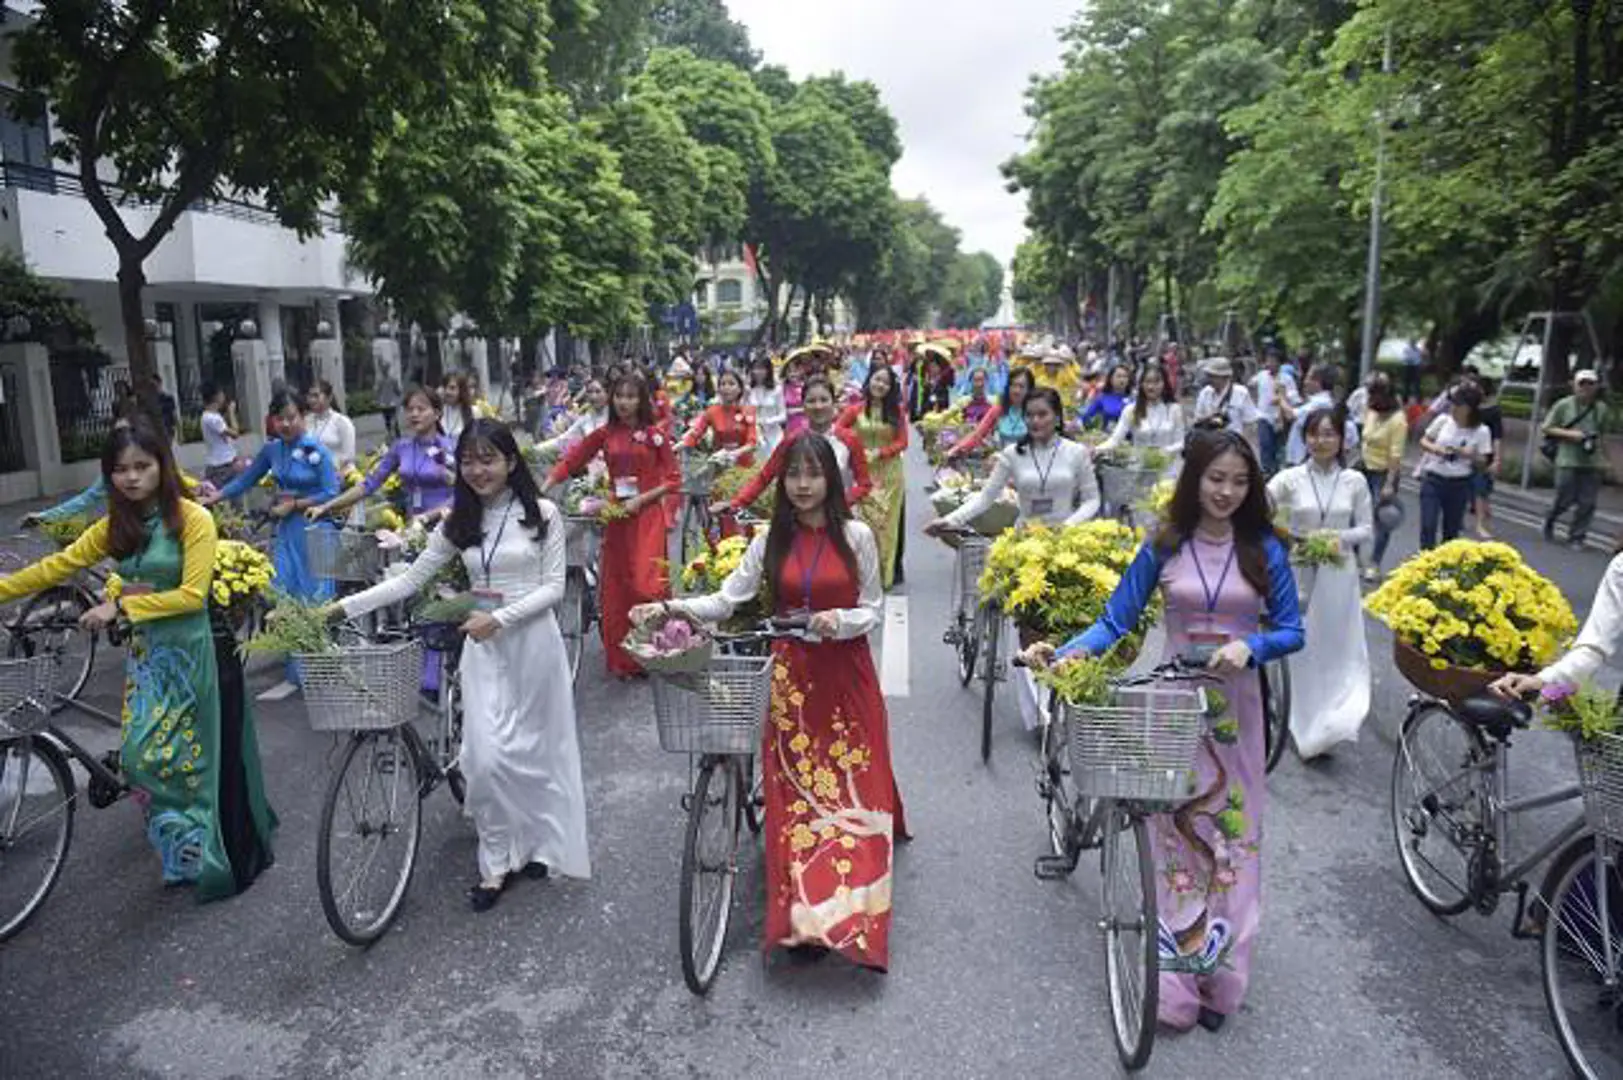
pixel 1054 867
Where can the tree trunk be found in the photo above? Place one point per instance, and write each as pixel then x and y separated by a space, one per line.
pixel 805 318
pixel 435 373
pixel 131 282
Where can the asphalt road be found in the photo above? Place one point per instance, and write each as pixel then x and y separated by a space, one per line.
pixel 994 973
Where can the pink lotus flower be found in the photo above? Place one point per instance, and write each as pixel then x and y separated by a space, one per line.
pixel 1556 693
pixel 591 506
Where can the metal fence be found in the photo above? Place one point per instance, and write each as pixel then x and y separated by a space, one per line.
pixel 86 403
pixel 15 174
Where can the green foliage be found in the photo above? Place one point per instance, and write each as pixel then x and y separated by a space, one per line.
pixel 57 318
pixel 1588 712
pixel 1085 680
pixel 292 626
pixel 973 290
pixel 704 28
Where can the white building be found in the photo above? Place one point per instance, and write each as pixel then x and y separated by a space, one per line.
pixel 729 293
pixel 223 263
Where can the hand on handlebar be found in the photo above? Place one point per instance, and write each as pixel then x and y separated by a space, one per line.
pixel 1039 655
pixel 316 513
pixel 1516 687
pixel 643 613
pixel 937 526
pixel 824 624
pixel 1231 659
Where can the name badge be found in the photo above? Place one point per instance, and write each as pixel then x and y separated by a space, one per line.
pixel 138 588
pixel 1042 507
pixel 486 599
pixel 626 487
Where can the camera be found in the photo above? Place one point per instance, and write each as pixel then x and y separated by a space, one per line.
pixel 1589 443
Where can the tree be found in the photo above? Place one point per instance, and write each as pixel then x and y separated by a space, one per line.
pixel 905 284
pixel 704 28
pixel 175 104
pixel 973 291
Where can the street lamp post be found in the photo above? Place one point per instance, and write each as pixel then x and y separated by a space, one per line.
pixel 1372 272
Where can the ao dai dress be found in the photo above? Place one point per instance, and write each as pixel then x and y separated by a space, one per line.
pixel 1330 684
pixel 1056 484
pixel 885 511
pixel 771 414
pixel 632 567
pixel 520 756
pixel 1162 428
pixel 303 470
pixel 833 811
pixel 425 466
pixel 1208 853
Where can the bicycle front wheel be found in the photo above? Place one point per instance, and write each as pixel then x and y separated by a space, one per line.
pixel 1058 799
pixel 1276 704
pixel 1580 987
pixel 1439 806
pixel 1130 923
pixel 371 825
pixel 968 645
pixel 49 626
pixel 709 863
pixel 991 623
pixel 36 827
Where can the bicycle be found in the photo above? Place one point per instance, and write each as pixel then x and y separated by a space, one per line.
pixel 698 527
pixel 38 792
pixel 47 624
pixel 1123 487
pixel 1276 709
pixel 1104 769
pixel 578 612
pixel 715 717
pixel 371 693
pixel 977 639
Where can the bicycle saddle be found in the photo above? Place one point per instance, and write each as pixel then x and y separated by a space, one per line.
pixel 1494 716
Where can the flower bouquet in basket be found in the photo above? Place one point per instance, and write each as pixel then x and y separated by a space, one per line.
pixel 674 645
pixel 1310 553
pixel 1464 613
pixel 1590 715
pixel 1056 582
pixel 954 488
pixel 242 574
pixel 940 431
pixel 706 571
pixel 730 482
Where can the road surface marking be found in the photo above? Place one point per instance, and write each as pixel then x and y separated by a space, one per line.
pixel 893 656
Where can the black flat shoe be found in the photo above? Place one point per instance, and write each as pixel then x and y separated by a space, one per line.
pixel 807 954
pixel 1210 1019
pixel 536 871
pixel 482 898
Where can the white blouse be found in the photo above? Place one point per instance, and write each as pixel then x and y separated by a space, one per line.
pixel 336 432
pixel 1242 412
pixel 529 575
pixel 582 426
pixel 1325 500
pixel 1598 641
pixel 1162 428
pixel 1449 435
pixel 744 584
pixel 1056 484
pixel 770 412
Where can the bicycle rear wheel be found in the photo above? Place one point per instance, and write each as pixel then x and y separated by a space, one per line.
pixel 447 741
pixel 990 628
pixel 1130 923
pixel 709 858
pixel 572 619
pixel 49 626
pixel 967 644
pixel 1276 704
pixel 1439 806
pixel 1583 1007
pixel 371 826
pixel 36 827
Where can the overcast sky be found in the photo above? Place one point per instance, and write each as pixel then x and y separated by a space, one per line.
pixel 953 73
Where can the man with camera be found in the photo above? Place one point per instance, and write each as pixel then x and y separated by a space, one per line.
pixel 1572 430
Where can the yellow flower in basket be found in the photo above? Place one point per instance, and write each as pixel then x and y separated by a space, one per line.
pixel 1475 606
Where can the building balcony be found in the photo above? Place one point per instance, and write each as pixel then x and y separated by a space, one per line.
pixel 45 217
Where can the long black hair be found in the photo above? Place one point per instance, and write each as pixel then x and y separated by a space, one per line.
pixel 1051 396
pixel 1141 404
pixel 760 363
pixel 465 527
pixel 891 407
pixel 1018 373
pixel 1333 415
pixel 1252 520
pixel 645 400
pixel 126 522
pixel 807 448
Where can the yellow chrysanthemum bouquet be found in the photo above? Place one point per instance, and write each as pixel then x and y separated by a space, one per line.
pixel 940 430
pixel 705 572
pixel 241 574
pixel 1474 606
pixel 1055 582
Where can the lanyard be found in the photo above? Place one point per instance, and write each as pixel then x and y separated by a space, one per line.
pixel 810 570
pixel 1042 473
pixel 1212 595
pixel 487 556
pixel 1324 503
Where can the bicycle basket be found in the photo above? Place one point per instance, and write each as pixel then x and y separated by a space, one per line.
pixel 1600 772
pixel 579 533
pixel 361 687
pixel 1141 746
pixel 343 555
pixel 26 689
pixel 698 475
pixel 1123 485
pixel 972 552
pixel 716 711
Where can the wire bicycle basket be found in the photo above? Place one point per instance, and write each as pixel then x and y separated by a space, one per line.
pixel 1600 774
pixel 969 565
pixel 1141 746
pixel 698 474
pixel 718 710
pixel 580 535
pixel 1125 485
pixel 26 689
pixel 362 687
